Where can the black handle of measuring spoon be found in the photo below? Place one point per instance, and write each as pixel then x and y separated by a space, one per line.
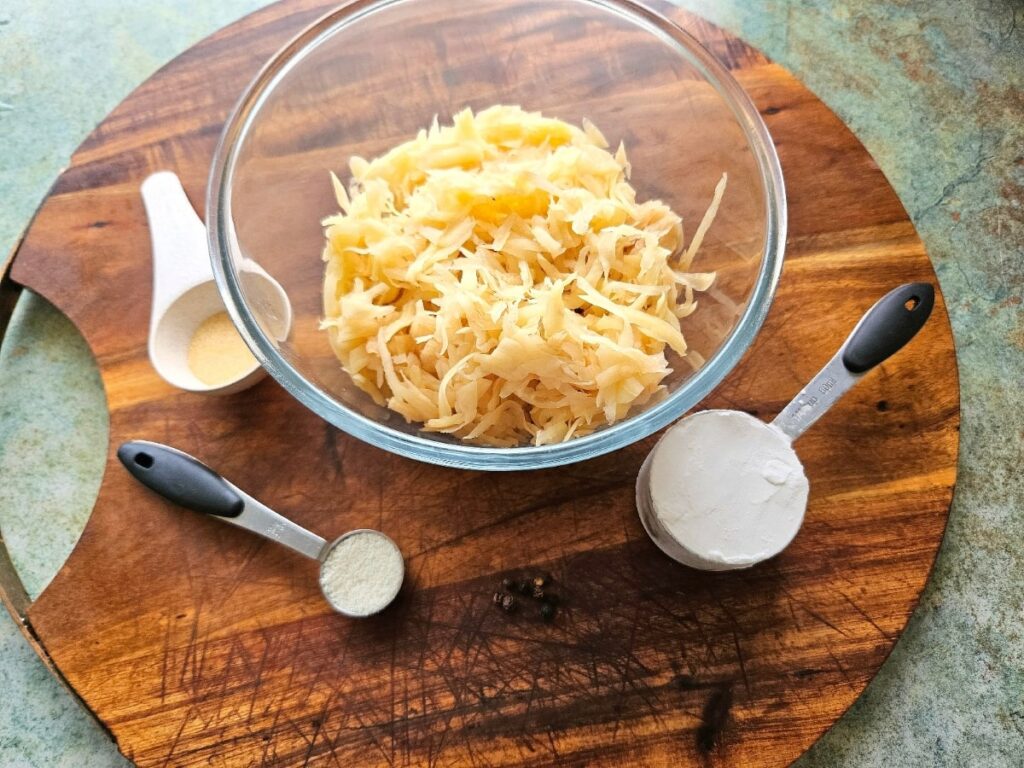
pixel 180 478
pixel 888 326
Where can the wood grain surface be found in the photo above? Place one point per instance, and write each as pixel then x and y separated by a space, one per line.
pixel 196 644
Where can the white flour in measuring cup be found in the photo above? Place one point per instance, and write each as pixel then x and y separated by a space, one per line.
pixel 722 490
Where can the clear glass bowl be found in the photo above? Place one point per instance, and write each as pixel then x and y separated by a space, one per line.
pixel 370 74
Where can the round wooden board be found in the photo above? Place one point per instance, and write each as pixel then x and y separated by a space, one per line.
pixel 197 644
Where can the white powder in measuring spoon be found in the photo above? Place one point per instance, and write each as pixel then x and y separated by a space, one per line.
pixel 724 490
pixel 362 573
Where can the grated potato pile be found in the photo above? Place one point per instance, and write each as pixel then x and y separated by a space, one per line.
pixel 497 280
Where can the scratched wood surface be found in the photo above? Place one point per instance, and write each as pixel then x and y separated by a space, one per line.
pixel 196 644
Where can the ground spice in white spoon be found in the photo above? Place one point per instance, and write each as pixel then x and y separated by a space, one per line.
pixel 217 353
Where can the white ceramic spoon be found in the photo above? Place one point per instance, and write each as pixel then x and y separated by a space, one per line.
pixel 184 291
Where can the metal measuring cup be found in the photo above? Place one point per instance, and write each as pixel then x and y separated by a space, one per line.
pixel 883 330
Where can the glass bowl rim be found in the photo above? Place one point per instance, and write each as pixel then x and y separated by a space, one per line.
pixel 465 455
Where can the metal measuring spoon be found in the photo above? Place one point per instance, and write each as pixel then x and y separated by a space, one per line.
pixel 724 490
pixel 185 480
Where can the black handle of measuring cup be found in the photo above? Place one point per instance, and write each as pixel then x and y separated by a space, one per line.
pixel 888 326
pixel 180 478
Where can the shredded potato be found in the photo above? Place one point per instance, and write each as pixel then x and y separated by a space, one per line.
pixel 497 280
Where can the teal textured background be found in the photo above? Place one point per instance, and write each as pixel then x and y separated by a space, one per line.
pixel 935 90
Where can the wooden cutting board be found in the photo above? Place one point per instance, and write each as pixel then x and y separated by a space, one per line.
pixel 196 644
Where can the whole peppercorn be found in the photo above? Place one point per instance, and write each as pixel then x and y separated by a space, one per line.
pixel 508 584
pixel 508 603
pixel 547 612
pixel 524 587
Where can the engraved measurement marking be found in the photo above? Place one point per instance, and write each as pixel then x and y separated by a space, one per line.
pixel 274 532
pixel 804 409
pixel 805 402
